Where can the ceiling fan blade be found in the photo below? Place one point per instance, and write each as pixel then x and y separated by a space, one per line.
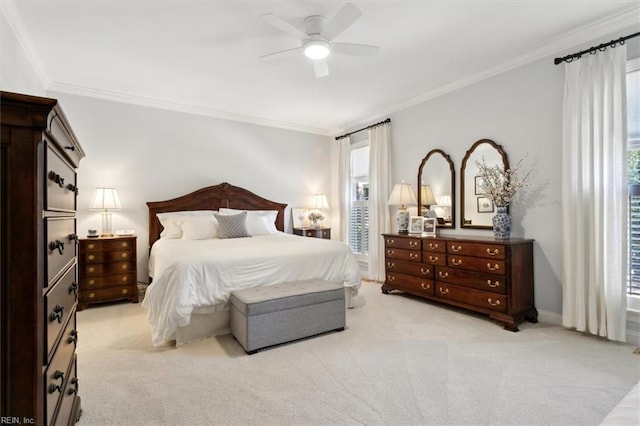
pixel 281 53
pixel 354 49
pixel 345 17
pixel 283 25
pixel 320 67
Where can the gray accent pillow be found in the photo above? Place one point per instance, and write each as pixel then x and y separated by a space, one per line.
pixel 232 226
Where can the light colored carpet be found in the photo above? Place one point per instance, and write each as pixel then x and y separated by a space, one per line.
pixel 401 361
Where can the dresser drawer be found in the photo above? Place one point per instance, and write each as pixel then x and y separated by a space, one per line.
pixel 61 183
pixel 434 246
pixel 481 299
pixel 479 264
pixel 494 251
pixel 410 283
pixel 68 396
pixel 55 376
pixel 106 268
pixel 410 268
pixel 487 282
pixel 60 245
pixel 403 243
pixel 98 245
pixel 107 256
pixel 108 294
pixel 59 303
pixel 412 255
pixel 107 281
pixel 434 258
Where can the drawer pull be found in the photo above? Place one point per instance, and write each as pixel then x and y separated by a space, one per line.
pixel 391 278
pixel 125 266
pixel 56 245
pixel 91 257
pixel 56 178
pixel 57 314
pixel 433 259
pixel 58 375
pixel 125 255
pixel 73 337
pixel 72 188
pixel 125 279
pixel 91 246
pixel 456 249
pixel 391 252
pixel 493 252
pixel 391 241
pixel 73 237
pixel 443 274
pixel 443 290
pixel 125 244
pixel 91 282
pixel 74 389
pixel 413 244
pixel 425 286
pixel 414 256
pixel 425 271
pixel 493 285
pixel 494 267
pixel 125 290
pixel 73 288
pixel 92 295
pixel 492 303
pixel 391 265
pixel 92 269
pixel 433 246
pixel 456 262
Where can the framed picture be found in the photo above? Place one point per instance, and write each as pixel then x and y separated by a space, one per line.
pixel 480 186
pixel 300 218
pixel 429 226
pixel 485 205
pixel 415 224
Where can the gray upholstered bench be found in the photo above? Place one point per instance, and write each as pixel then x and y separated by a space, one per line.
pixel 279 313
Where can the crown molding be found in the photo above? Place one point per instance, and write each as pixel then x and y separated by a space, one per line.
pixel 584 34
pixel 11 14
pixel 91 92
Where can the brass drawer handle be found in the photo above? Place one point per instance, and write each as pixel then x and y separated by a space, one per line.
pixel 413 244
pixel 91 282
pixel 425 271
pixel 456 249
pixel 456 262
pixel 91 257
pixel 125 255
pixel 425 286
pixel 91 246
pixel 125 279
pixel 492 303
pixel 125 291
pixel 92 269
pixel 414 256
pixel 391 241
pixel 125 266
pixel 493 252
pixel 391 252
pixel 443 290
pixel 433 259
pixel 391 265
pixel 433 246
pixel 391 278
pixel 493 285
pixel 125 244
pixel 92 295
pixel 494 267
pixel 443 274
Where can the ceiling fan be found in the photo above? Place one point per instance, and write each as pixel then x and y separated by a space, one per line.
pixel 316 39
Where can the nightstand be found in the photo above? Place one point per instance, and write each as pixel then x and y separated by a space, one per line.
pixel 107 270
pixel 313 232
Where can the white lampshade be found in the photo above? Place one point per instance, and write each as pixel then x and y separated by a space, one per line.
pixel 320 201
pixel 445 201
pixel 426 196
pixel 105 199
pixel 402 195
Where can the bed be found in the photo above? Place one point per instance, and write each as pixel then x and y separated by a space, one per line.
pixel 193 268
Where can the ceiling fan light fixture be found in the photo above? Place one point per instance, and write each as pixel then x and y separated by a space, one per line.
pixel 316 49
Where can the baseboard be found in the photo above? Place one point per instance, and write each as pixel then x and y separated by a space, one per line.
pixel 548 317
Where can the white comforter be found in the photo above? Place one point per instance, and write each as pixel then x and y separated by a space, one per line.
pixel 198 276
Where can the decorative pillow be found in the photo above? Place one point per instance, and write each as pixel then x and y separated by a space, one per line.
pixel 259 222
pixel 199 227
pixel 232 226
pixel 172 221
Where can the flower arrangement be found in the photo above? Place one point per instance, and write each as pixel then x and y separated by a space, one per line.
pixel 500 185
pixel 315 216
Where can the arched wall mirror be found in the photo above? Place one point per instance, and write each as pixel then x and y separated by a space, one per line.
pixel 436 188
pixel 477 210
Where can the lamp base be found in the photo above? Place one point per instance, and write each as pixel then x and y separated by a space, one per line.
pixel 402 220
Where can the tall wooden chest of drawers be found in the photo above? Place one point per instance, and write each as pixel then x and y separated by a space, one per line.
pixel 481 274
pixel 40 154
pixel 107 270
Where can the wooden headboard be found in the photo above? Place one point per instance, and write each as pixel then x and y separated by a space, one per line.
pixel 212 198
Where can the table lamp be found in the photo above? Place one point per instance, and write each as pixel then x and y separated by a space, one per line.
pixel 105 199
pixel 402 195
pixel 316 216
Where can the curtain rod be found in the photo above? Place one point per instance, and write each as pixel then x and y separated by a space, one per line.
pixel 594 49
pixel 388 120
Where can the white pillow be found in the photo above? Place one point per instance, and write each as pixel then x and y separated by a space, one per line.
pixel 172 221
pixel 199 227
pixel 259 222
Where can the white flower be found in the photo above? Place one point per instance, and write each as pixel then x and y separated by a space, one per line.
pixel 500 185
pixel 315 216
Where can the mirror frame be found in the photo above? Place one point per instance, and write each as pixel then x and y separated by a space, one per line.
pixel 505 163
pixel 446 156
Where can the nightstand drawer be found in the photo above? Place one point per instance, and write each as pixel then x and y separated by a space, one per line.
pixel 59 305
pixel 494 251
pixel 106 268
pixel 108 294
pixel 487 282
pixel 478 264
pixel 90 283
pixel 107 256
pixel 411 268
pixel 99 244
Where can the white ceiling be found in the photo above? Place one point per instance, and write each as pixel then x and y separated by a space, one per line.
pixel 202 56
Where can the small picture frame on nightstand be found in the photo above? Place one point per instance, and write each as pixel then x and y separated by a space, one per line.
pixel 415 224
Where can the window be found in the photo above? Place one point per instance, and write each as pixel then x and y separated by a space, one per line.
pixel 359 209
pixel 633 165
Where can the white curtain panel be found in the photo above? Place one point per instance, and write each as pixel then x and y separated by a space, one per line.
pixel 594 206
pixel 344 194
pixel 379 183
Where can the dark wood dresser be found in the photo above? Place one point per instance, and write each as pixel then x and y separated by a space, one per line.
pixel 313 232
pixel 107 270
pixel 481 274
pixel 40 154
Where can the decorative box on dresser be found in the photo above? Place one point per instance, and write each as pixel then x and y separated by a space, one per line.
pixel 40 154
pixel 107 270
pixel 494 277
